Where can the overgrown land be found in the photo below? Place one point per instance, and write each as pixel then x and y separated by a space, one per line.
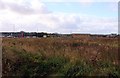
pixel 60 57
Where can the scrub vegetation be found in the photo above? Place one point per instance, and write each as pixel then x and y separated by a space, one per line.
pixel 60 57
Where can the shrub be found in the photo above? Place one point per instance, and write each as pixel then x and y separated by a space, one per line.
pixel 79 69
pixel 34 65
pixel 56 62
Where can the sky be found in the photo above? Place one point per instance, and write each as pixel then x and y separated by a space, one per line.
pixel 59 16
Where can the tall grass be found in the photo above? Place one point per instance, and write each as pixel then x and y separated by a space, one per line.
pixel 63 57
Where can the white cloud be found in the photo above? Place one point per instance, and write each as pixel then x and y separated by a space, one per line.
pixel 24 6
pixel 80 0
pixel 113 7
pixel 32 15
pixel 64 23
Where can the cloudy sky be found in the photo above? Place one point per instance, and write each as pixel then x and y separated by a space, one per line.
pixel 60 16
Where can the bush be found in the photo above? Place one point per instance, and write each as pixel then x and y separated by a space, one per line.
pixel 79 68
pixel 34 65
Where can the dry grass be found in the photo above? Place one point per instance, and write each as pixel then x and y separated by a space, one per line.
pixel 74 49
pixel 68 47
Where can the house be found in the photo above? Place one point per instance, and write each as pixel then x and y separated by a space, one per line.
pixel 112 35
pixel 44 36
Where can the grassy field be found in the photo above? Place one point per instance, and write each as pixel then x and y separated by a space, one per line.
pixel 60 57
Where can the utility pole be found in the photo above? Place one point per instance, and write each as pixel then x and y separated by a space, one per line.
pixel 13 30
pixel 13 27
pixel 37 30
pixel 71 32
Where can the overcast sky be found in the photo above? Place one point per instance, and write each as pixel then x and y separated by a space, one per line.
pixel 60 16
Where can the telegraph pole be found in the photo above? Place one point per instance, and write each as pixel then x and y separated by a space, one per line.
pixel 37 30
